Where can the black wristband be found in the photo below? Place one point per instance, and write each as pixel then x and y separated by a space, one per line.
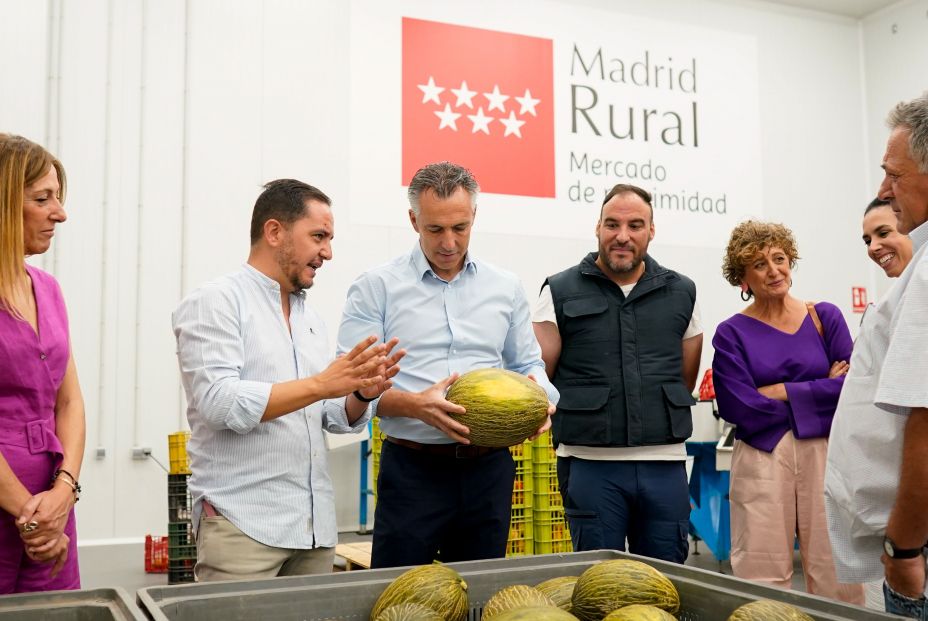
pixel 362 398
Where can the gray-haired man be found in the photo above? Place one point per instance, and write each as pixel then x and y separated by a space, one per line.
pixel 876 482
pixel 439 496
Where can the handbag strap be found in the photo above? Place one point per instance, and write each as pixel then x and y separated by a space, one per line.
pixel 815 320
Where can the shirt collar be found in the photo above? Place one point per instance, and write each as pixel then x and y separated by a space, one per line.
pixel 422 267
pixel 919 236
pixel 266 281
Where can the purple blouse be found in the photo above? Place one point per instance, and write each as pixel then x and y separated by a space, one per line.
pixel 32 367
pixel 749 354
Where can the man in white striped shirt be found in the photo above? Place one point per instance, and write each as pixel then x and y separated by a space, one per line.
pixel 261 385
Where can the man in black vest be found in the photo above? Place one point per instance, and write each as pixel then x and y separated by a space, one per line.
pixel 621 340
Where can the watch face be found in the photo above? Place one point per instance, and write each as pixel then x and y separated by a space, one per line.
pixel 888 547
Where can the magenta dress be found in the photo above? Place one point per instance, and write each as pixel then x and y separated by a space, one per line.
pixel 32 368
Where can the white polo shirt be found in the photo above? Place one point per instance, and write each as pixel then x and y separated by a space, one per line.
pixel 888 377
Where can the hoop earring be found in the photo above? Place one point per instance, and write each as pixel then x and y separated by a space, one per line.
pixel 746 295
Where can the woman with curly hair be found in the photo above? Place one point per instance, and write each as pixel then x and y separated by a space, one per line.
pixel 778 370
pixel 41 408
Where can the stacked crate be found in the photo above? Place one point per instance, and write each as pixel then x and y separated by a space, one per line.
pixel 550 529
pixel 182 549
pixel 521 540
pixel 376 445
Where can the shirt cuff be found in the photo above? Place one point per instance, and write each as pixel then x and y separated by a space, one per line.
pixel 336 418
pixel 249 406
pixel 805 419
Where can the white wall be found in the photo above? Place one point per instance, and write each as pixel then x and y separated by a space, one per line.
pixel 168 115
pixel 895 64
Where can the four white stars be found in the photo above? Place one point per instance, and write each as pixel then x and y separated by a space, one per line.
pixel 480 121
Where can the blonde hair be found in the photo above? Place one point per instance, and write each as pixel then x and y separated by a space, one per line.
pixel 751 237
pixel 22 163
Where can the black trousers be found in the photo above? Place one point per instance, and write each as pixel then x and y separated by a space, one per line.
pixel 434 507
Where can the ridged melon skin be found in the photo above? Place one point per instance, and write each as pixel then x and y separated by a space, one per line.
pixel 409 611
pixel 539 613
pixel 611 585
pixel 515 596
pixel 438 587
pixel 560 590
pixel 639 612
pixel 503 408
pixel 768 610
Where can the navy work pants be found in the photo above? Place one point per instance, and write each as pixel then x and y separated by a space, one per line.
pixel 436 507
pixel 646 502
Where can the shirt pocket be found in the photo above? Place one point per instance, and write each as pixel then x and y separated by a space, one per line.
pixel 584 319
pixel 677 404
pixel 581 416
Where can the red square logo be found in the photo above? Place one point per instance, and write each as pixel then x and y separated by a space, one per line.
pixel 480 98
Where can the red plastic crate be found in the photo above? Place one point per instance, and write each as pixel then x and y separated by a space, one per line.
pixel 156 555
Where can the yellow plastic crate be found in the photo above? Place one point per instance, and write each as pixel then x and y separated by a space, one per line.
pixel 523 484
pixel 521 541
pixel 177 452
pixel 543 449
pixel 550 532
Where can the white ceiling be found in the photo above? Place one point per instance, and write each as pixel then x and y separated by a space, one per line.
pixel 850 8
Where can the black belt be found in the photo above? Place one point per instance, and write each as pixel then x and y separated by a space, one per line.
pixel 457 451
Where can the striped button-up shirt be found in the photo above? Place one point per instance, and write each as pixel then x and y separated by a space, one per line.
pixel 479 319
pixel 270 479
pixel 888 377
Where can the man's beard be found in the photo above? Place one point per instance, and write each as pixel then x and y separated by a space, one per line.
pixel 286 263
pixel 620 268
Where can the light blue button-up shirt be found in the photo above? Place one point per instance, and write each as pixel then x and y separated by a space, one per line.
pixel 269 479
pixel 479 319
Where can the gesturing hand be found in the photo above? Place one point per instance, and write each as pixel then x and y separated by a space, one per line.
pixel 355 370
pixel 432 408
pixel 387 371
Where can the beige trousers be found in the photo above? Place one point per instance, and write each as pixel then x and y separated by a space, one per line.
pixel 226 553
pixel 775 498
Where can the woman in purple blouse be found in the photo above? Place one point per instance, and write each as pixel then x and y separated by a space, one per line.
pixel 778 370
pixel 41 408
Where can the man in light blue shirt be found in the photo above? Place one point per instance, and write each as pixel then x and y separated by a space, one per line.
pixel 439 496
pixel 261 385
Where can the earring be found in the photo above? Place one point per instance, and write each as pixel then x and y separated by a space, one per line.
pixel 746 294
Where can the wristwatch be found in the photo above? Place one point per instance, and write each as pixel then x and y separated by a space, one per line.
pixel 893 552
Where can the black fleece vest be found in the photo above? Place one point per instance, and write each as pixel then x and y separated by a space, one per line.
pixel 620 371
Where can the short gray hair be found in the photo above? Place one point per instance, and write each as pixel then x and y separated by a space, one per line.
pixel 443 178
pixel 913 115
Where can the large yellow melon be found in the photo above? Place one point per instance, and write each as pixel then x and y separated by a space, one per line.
pixel 611 585
pixel 503 408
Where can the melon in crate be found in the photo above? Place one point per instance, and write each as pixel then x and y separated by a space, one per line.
pixel 768 610
pixel 611 585
pixel 560 590
pixel 512 597
pixel 436 586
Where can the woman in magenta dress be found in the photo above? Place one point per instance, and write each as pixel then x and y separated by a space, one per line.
pixel 41 408
pixel 778 370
